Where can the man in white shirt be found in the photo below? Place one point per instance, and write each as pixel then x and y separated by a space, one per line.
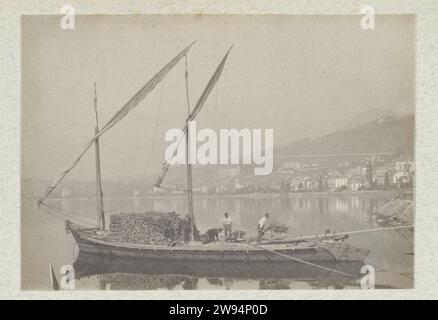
pixel 261 226
pixel 227 224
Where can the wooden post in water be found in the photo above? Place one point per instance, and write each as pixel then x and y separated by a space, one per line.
pixel 100 210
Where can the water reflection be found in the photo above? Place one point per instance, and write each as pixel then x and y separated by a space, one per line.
pixel 136 274
pixel 125 281
pixel 302 213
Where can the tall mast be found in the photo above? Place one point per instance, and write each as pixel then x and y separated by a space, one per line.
pixel 100 211
pixel 189 166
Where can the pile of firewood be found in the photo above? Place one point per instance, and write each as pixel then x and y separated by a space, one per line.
pixel 152 227
pixel 278 228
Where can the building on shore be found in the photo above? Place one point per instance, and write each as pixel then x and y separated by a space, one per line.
pixel 357 183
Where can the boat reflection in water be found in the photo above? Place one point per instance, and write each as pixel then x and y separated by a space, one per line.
pixel 140 274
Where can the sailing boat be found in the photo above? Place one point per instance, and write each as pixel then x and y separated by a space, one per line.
pixel 95 240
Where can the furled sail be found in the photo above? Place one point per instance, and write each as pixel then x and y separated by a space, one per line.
pixel 205 93
pixel 131 104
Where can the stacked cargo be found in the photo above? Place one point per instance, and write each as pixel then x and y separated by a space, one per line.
pixel 279 229
pixel 152 227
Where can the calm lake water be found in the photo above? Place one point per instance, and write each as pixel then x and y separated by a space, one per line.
pixel 44 240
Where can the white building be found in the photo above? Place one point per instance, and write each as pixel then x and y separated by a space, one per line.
pixel 357 171
pixel 357 183
pixel 403 166
pixel 401 177
pixel 336 182
pixel 341 182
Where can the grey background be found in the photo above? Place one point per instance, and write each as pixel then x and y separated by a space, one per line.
pixel 302 76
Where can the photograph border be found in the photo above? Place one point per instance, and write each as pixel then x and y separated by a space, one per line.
pixel 426 241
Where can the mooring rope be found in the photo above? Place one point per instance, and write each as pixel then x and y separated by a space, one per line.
pixel 344 233
pixel 303 261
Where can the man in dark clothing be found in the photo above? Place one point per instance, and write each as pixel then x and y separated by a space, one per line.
pixel 211 235
pixel 187 228
pixel 170 235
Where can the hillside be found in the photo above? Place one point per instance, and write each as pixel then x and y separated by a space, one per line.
pixel 384 135
pixel 373 115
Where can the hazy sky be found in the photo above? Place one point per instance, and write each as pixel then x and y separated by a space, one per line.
pixel 300 75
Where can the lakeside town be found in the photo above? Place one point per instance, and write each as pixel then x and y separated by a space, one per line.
pixel 372 173
pixel 293 176
pixel 333 163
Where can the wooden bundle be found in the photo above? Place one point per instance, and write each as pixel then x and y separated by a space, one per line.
pixel 278 228
pixel 152 227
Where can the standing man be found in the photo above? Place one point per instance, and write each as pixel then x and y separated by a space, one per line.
pixel 261 226
pixel 187 228
pixel 227 224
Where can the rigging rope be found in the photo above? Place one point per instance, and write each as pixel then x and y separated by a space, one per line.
pixel 186 76
pixel 157 121
pixel 151 148
pixel 65 211
pixel 54 212
pixel 62 212
pixel 215 106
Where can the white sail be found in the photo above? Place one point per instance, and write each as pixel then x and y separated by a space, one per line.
pixel 131 104
pixel 205 93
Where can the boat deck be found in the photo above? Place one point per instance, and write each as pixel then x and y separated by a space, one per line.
pixel 92 241
pixel 220 244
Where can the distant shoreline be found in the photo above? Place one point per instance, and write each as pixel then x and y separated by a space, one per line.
pixel 283 195
pixel 253 195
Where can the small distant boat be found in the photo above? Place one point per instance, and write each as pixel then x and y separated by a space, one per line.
pixel 95 241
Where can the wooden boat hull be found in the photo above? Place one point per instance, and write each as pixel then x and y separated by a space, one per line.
pixel 125 270
pixel 89 242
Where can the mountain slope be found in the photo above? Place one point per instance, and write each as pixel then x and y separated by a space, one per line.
pixel 373 115
pixel 384 135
